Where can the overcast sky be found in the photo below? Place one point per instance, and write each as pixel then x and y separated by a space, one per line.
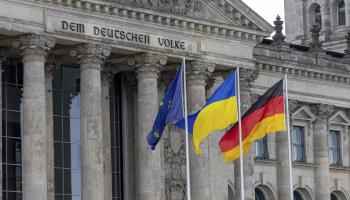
pixel 268 9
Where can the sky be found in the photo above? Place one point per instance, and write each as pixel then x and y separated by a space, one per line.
pixel 268 9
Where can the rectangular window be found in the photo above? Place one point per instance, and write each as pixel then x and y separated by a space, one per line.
pixel 116 139
pixel 298 144
pixel 261 148
pixel 334 148
pixel 12 129
pixel 66 120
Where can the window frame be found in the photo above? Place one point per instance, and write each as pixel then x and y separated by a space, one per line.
pixel 302 145
pixel 265 154
pixel 313 15
pixel 338 13
pixel 339 162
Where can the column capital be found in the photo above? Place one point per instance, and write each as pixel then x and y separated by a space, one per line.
pixel 107 74
pixel 30 44
pixel 91 53
pixel 322 111
pixel 247 77
pixel 131 78
pixel 3 54
pixel 51 67
pixel 148 64
pixel 199 69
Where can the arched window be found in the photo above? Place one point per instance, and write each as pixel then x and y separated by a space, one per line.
pixel 333 197
pixel 259 195
pixel 316 15
pixel 297 196
pixel 341 13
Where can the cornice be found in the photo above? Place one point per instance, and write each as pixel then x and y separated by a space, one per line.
pixel 164 19
pixel 305 72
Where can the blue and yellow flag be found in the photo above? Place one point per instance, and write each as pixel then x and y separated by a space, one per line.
pixel 219 112
pixel 170 109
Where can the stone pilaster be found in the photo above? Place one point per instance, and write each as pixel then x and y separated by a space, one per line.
pixel 197 75
pixel 149 172
pixel 247 77
pixel 50 70
pixel 107 75
pixel 91 57
pixel 347 12
pixel 322 174
pixel 347 50
pixel 326 17
pixel 2 59
pixel 34 49
pixel 283 157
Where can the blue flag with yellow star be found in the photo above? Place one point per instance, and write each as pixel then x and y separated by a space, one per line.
pixel 170 109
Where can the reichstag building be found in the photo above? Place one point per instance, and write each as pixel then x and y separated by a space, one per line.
pixel 82 80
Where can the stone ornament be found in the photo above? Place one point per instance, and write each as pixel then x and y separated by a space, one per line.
pixel 278 38
pixel 181 7
pixel 247 77
pixel 91 53
pixel 51 66
pixel 347 50
pixel 199 70
pixel 107 74
pixel 34 44
pixel 322 111
pixel 148 64
pixel 316 45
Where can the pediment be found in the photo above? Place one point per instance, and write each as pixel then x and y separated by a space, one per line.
pixel 304 113
pixel 339 118
pixel 228 12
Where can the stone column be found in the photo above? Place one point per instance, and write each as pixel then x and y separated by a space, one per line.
pixel 90 58
pixel 326 17
pixel 50 69
pixel 2 59
pixel 322 181
pixel 34 50
pixel 106 78
pixel 283 157
pixel 347 12
pixel 197 75
pixel 149 172
pixel 247 77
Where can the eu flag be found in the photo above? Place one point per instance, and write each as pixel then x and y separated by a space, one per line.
pixel 170 109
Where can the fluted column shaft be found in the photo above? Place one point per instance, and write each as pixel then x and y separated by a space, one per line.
pixel 149 175
pixel 91 57
pixel 326 16
pixel 106 78
pixel 247 77
pixel 2 59
pixel 50 69
pixel 322 174
pixel 282 154
pixel 198 73
pixel 34 49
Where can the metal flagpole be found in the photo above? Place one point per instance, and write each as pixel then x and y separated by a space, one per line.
pixel 240 135
pixel 289 137
pixel 184 96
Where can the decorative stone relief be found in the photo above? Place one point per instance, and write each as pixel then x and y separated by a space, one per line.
pixel 278 38
pixel 182 7
pixel 107 74
pixel 247 77
pixel 91 53
pixel 316 44
pixel 175 162
pixel 148 64
pixel 32 44
pixel 51 67
pixel 322 111
pixel 199 70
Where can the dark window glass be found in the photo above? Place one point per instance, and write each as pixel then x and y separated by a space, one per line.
pixel 297 196
pixel 66 103
pixel 298 144
pixel 259 195
pixel 261 148
pixel 12 127
pixel 116 139
pixel 341 13
pixel 317 19
pixel 334 148
pixel 333 197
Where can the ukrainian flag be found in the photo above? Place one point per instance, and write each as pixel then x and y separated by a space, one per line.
pixel 219 112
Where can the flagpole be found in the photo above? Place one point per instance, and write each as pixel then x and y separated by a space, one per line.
pixel 289 137
pixel 184 96
pixel 240 135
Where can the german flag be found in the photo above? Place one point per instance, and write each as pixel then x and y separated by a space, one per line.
pixel 264 117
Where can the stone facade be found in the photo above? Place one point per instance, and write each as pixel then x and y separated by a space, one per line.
pixel 143 42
